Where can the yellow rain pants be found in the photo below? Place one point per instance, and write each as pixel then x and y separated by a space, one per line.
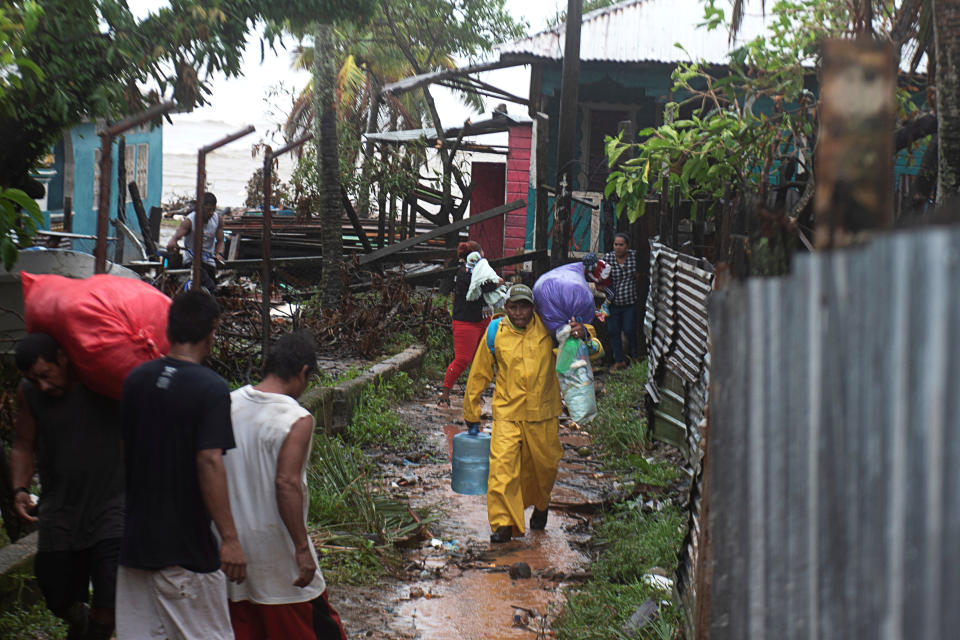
pixel 523 466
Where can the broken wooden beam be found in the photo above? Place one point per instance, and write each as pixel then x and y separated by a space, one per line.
pixel 855 152
pixel 355 220
pixel 144 223
pixel 439 274
pixel 442 231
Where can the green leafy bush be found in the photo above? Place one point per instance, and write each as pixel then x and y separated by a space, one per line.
pixel 35 623
pixel 620 429
pixel 374 420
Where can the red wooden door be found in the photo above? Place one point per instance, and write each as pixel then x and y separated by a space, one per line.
pixel 489 191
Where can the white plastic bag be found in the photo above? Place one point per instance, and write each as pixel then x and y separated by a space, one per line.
pixel 576 378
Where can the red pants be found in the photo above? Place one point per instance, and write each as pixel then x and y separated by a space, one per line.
pixel 314 620
pixel 466 337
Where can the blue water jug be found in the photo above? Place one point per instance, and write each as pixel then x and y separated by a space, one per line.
pixel 471 463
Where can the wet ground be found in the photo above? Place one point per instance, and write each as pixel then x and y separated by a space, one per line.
pixel 457 585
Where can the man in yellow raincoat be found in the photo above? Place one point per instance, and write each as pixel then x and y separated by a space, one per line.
pixel 525 447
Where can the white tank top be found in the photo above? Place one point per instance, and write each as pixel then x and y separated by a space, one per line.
pixel 209 237
pixel 261 422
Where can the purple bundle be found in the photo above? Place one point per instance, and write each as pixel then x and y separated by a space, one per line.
pixel 561 294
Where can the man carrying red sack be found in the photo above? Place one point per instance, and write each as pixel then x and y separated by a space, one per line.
pixel 75 434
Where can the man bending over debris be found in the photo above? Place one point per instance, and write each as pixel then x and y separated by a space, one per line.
pixel 175 415
pixel 284 595
pixel 75 434
pixel 212 243
pixel 525 447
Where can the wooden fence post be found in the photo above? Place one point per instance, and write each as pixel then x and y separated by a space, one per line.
pixel 855 147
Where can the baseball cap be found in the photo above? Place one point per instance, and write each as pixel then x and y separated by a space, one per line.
pixel 520 292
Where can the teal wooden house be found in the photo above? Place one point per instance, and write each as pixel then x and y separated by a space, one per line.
pixel 76 175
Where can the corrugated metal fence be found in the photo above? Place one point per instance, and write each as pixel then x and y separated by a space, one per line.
pixel 678 359
pixel 834 446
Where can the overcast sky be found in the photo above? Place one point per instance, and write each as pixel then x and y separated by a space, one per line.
pixel 262 95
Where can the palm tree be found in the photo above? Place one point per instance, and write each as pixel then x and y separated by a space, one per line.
pixel 366 63
pixel 328 169
pixel 946 18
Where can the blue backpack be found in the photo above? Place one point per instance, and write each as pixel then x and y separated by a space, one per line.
pixel 492 335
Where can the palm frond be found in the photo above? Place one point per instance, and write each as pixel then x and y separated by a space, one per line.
pixel 351 81
pixel 736 16
pixel 300 120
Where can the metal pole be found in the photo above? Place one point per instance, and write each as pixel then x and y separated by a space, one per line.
pixel 566 134
pixel 267 231
pixel 198 223
pixel 103 205
pixel 121 199
pixel 268 158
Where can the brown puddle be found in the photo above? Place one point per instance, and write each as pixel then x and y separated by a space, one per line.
pixel 474 596
pixel 475 603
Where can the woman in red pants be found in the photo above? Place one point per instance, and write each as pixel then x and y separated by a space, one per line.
pixel 469 322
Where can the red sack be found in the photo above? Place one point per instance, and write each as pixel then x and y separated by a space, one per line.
pixel 107 324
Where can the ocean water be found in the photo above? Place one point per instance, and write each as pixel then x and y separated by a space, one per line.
pixel 228 168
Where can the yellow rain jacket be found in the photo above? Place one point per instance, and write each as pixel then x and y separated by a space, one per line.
pixel 527 388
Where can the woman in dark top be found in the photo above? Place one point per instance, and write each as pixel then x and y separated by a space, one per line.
pixel 469 322
pixel 623 303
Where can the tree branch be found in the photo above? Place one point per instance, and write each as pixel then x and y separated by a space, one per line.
pixel 917 128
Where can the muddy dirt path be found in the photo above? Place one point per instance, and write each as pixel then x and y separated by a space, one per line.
pixel 458 585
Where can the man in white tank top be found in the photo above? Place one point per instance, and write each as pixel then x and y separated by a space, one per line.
pixel 212 245
pixel 284 595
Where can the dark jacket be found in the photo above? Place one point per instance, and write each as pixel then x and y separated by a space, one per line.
pixel 466 310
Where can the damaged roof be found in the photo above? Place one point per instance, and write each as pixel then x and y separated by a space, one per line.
pixel 640 31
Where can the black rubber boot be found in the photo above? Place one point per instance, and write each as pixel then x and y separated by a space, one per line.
pixel 77 618
pixel 502 534
pixel 98 631
pixel 538 520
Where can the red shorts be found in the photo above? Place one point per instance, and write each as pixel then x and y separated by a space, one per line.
pixel 313 620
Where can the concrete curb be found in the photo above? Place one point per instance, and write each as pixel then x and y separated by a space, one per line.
pixel 333 406
pixel 17 559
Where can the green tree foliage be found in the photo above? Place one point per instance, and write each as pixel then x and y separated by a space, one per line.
pixel 17 24
pixel 19 217
pixel 76 60
pixel 95 56
pixel 753 124
pixel 400 40
pixel 427 32
pixel 364 64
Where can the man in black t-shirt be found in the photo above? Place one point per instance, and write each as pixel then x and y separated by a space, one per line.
pixel 75 435
pixel 175 417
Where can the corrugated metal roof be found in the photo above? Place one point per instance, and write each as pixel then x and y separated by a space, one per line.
pixel 641 31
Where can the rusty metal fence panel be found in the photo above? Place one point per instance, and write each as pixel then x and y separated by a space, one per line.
pixel 678 361
pixel 834 440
